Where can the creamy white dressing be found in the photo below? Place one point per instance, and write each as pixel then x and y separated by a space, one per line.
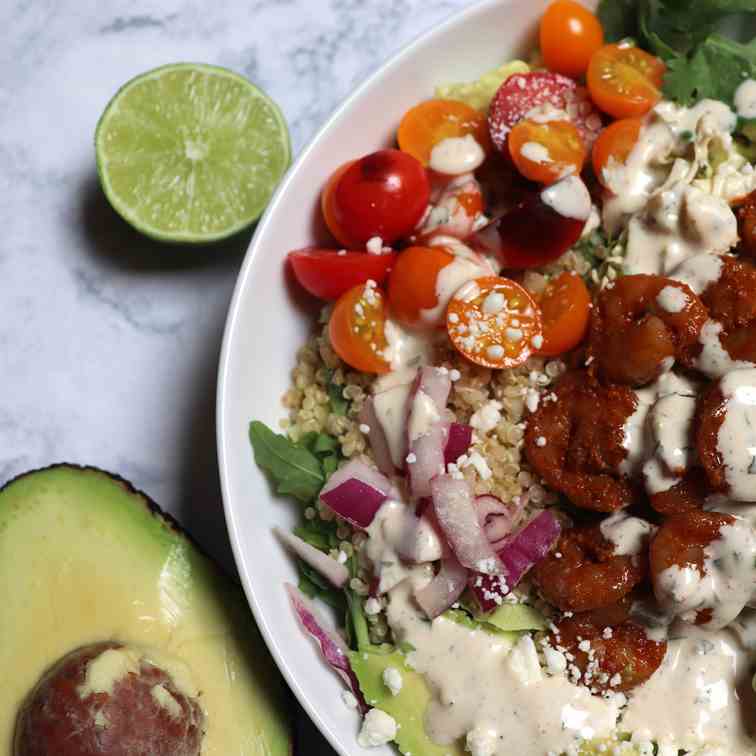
pixel 726 585
pixel 456 155
pixel 714 360
pixel 745 99
pixel 405 348
pixel 569 197
pixel 391 408
pixel 699 271
pixel 736 441
pixel 423 415
pixel 481 684
pixel 396 539
pixel 673 192
pixel 450 278
pixel 700 696
pixel 535 152
pixel 630 535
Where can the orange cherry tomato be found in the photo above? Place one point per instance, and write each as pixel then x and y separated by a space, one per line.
pixel 493 322
pixel 565 309
pixel 614 145
pixel 624 81
pixel 569 35
pixel 546 152
pixel 327 206
pixel 412 284
pixel 428 123
pixel 356 328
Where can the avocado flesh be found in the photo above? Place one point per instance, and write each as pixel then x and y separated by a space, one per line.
pixel 83 559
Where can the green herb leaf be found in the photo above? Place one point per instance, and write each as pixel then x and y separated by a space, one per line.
pixel 294 469
pixel 339 405
pixel 714 70
pixel 325 444
pixel 619 19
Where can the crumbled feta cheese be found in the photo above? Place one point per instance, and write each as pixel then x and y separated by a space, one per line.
pixel 349 699
pixel 584 645
pixel 532 399
pixel 495 352
pixel 374 245
pixel 364 428
pixel 480 465
pixel 392 679
pixel 555 661
pixel 455 375
pixel 341 253
pixel 342 557
pixel 537 341
pixel 494 303
pixel 541 441
pixel 378 728
pixel 487 417
pixel 481 741
pixel 372 606
pixel 514 334
pixel 672 299
pixel 411 458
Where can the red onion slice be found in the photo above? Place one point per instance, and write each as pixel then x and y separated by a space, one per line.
pixel 426 459
pixel 377 438
pixel 445 588
pixel 337 573
pixel 332 647
pixel 356 492
pixel 455 511
pixel 460 438
pixel 436 383
pixel 517 555
pixel 495 517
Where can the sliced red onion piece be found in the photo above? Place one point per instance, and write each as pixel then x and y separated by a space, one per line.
pixel 377 438
pixel 495 517
pixel 445 588
pixel 518 554
pixel 426 459
pixel 460 438
pixel 329 568
pixel 332 647
pixel 356 492
pixel 455 511
pixel 436 383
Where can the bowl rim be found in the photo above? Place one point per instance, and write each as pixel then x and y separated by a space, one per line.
pixel 397 59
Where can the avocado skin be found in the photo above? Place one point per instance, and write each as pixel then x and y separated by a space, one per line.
pixel 269 733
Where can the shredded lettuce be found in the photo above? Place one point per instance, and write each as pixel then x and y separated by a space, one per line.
pixel 478 94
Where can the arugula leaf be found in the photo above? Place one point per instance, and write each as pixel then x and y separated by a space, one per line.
pixel 294 469
pixel 619 19
pixel 715 70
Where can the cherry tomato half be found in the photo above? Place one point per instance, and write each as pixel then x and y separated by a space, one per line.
pixel 430 122
pixel 412 285
pixel 565 309
pixel 546 152
pixel 493 322
pixel 569 35
pixel 614 145
pixel 327 274
pixel 329 212
pixel 625 81
pixel 382 194
pixel 356 329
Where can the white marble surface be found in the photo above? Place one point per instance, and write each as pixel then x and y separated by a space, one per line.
pixel 109 342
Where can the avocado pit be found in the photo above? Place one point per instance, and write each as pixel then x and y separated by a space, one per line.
pixel 108 699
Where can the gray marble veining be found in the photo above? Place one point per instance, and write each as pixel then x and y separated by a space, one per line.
pixel 109 342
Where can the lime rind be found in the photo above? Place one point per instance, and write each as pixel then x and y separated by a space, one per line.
pixel 191 153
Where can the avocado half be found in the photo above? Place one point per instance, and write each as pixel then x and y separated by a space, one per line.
pixel 85 558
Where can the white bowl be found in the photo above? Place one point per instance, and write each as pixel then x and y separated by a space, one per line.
pixel 267 323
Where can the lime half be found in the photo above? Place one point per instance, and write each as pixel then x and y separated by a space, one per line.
pixel 191 153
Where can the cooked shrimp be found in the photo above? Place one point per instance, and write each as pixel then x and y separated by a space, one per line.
pixel 575 454
pixel 583 572
pixel 702 567
pixel 746 215
pixel 642 324
pixel 686 496
pixel 731 301
pixel 726 434
pixel 607 658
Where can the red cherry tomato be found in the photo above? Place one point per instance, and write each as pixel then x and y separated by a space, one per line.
pixel 569 35
pixel 520 94
pixel 327 274
pixel 329 212
pixel 533 233
pixel 383 194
